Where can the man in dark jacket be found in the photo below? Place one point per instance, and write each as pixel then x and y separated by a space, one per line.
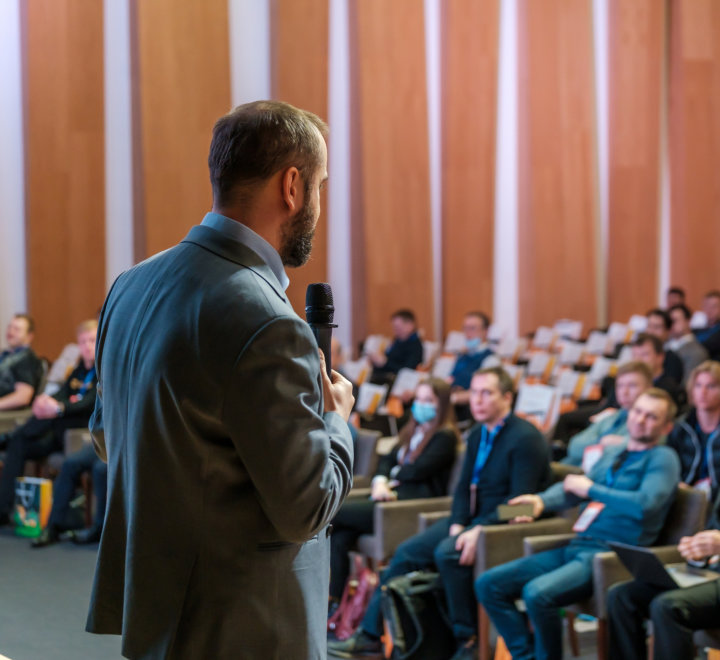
pixel 505 455
pixel 696 435
pixel 405 352
pixel 43 433
pixel 20 368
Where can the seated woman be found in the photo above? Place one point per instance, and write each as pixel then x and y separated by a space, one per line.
pixel 418 466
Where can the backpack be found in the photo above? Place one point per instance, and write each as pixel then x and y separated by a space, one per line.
pixel 415 613
pixel 355 598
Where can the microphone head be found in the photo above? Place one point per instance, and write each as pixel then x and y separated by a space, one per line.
pixel 319 306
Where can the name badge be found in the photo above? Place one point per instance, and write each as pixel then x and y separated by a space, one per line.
pixel 705 485
pixel 591 455
pixel 587 517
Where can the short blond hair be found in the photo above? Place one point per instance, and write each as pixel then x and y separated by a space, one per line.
pixel 708 367
pixel 86 326
pixel 657 393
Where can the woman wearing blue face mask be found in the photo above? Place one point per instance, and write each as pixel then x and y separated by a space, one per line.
pixel 418 466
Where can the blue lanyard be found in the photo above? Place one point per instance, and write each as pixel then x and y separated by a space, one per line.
pixel 615 468
pixel 86 383
pixel 486 444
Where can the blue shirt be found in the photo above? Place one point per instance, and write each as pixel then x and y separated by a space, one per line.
pixel 467 364
pixel 243 234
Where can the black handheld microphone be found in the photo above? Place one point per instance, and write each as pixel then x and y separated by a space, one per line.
pixel 319 312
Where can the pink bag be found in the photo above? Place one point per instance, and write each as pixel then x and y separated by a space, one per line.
pixel 354 601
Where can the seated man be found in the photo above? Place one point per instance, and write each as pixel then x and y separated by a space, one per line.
pixel 43 433
pixel 674 296
pixel 20 368
pixel 675 613
pixel 659 323
pixel 696 435
pixel 682 340
pixel 406 350
pixel 505 456
pixel 632 379
pixel 83 460
pixel 709 336
pixel 625 498
pixel 477 350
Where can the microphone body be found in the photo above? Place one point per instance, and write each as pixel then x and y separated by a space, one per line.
pixel 320 312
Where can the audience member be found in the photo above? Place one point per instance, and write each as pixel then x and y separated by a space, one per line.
pixel 682 340
pixel 709 336
pixel 675 613
pixel 73 467
pixel 695 435
pixel 20 368
pixel 406 350
pixel 505 457
pixel 659 324
pixel 418 466
pixel 43 433
pixel 632 379
pixel 648 348
pixel 625 498
pixel 674 296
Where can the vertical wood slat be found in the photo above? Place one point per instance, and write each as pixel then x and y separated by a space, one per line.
pixel 64 156
pixel 300 77
pixel 695 146
pixel 469 75
pixel 182 64
pixel 391 182
pixel 556 226
pixel 636 38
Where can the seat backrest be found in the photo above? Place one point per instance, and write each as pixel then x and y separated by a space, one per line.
pixel 366 457
pixel 456 470
pixel 686 517
pixel 560 470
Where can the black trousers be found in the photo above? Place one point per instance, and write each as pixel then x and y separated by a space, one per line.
pixel 35 439
pixel 354 518
pixel 675 614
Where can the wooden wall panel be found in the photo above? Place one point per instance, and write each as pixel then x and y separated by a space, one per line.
pixel 181 87
pixel 391 195
pixel 300 77
pixel 695 146
pixel 64 160
pixel 636 38
pixel 556 228
pixel 469 79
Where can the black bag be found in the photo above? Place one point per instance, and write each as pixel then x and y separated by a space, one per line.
pixel 414 609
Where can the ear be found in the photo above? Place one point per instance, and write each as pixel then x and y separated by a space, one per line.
pixel 292 188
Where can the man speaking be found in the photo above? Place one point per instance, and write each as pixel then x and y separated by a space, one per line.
pixel 227 444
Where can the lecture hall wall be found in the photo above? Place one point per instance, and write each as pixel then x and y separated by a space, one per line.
pixel 535 160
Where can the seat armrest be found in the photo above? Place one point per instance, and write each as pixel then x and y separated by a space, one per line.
pixel 537 544
pixel 361 481
pixel 607 571
pixel 498 544
pixel 394 522
pixel 427 518
pixel 359 493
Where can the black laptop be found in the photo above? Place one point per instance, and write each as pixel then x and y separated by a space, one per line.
pixel 646 567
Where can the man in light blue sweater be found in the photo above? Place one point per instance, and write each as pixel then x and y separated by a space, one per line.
pixel 625 498
pixel 632 379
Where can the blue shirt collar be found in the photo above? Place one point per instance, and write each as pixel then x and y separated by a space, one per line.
pixel 243 234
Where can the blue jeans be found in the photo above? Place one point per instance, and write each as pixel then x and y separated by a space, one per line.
pixel 546 582
pixel 425 551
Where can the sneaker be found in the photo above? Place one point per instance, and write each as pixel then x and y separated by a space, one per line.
pixel 467 650
pixel 358 645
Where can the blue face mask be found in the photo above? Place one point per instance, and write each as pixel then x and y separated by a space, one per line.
pixel 423 412
pixel 472 344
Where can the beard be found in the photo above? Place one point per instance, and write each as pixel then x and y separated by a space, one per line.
pixel 297 237
pixel 645 440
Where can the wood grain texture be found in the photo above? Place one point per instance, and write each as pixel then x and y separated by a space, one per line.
pixel 391 197
pixel 556 227
pixel 636 36
pixel 695 146
pixel 64 161
pixel 469 92
pixel 300 77
pixel 182 64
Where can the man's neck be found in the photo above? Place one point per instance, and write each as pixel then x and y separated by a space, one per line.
pixel 708 419
pixel 492 423
pixel 88 364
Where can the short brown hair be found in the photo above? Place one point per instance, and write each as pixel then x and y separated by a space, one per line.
pixel 708 367
pixel 482 316
pixel 505 381
pixel 646 338
pixel 657 393
pixel 256 140
pixel 635 367
pixel 28 319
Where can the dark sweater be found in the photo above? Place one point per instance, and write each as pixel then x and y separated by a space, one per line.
pixel 518 463
pixel 403 354
pixel 76 401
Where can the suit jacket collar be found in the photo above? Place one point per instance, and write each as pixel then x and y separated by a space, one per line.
pixel 235 251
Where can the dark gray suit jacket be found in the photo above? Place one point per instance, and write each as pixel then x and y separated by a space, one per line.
pixel 223 469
